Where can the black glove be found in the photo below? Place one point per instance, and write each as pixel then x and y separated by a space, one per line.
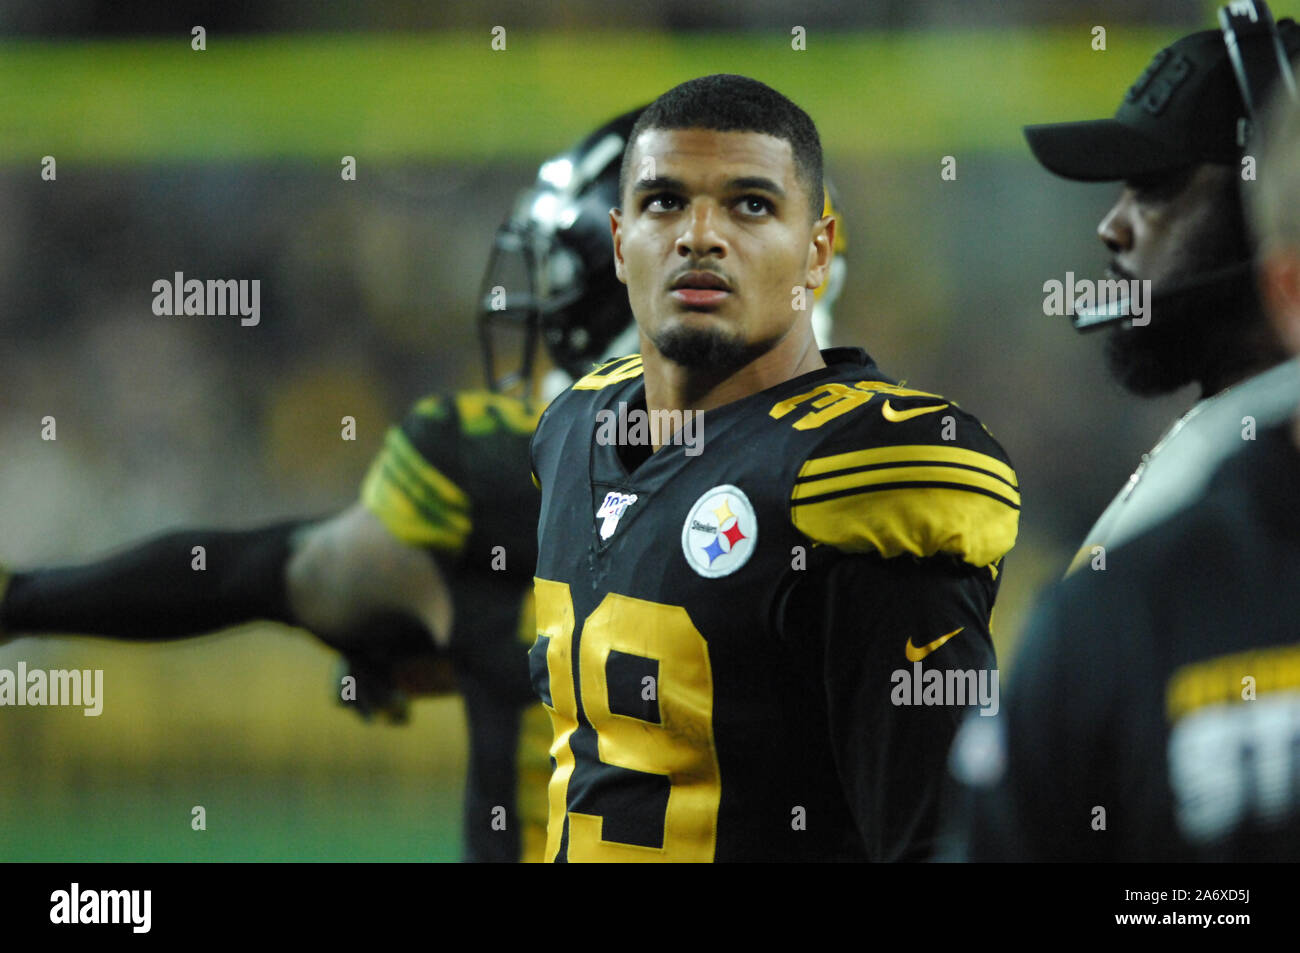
pixel 394 661
pixel 370 687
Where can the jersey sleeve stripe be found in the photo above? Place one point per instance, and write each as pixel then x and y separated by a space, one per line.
pixel 418 505
pixel 910 454
pixel 921 520
pixel 613 372
pixel 434 486
pixel 405 519
pixel 882 475
pixel 807 480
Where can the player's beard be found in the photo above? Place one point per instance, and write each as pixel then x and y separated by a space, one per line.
pixel 707 349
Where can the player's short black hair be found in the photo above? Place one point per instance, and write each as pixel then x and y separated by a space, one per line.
pixel 731 103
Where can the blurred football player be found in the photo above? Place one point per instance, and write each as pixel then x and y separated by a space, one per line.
pixel 739 636
pixel 1155 714
pixel 1177 142
pixel 432 568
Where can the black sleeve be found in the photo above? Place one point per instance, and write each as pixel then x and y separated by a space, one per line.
pixel 155 590
pixel 886 629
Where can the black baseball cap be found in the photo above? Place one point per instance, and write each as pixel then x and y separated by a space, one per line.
pixel 1183 109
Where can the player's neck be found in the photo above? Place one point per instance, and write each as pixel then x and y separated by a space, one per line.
pixel 670 386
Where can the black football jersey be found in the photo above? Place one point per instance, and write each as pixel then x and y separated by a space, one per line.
pixel 739 640
pixel 1154 711
pixel 453 478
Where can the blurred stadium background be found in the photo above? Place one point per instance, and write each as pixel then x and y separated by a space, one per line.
pixel 225 163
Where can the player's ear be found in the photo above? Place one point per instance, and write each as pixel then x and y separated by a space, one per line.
pixel 615 226
pixel 820 251
pixel 1279 281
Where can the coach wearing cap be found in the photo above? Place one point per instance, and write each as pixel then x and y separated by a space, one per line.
pixel 1179 143
pixel 1155 710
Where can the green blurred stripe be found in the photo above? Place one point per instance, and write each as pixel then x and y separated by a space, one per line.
pixel 449 96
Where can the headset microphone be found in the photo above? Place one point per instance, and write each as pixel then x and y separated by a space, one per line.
pixel 1230 281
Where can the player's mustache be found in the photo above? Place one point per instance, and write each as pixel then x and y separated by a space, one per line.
pixel 696 270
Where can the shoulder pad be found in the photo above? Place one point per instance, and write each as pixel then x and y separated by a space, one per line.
pixel 611 372
pixel 901 471
pixel 486 412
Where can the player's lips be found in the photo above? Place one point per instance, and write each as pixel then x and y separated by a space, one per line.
pixel 700 288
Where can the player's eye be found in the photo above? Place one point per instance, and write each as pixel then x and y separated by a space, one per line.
pixel 754 205
pixel 662 202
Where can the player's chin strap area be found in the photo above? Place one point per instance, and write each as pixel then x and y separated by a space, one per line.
pixel 1231 282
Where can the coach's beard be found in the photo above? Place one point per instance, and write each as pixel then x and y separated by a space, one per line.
pixel 1203 333
pixel 708 349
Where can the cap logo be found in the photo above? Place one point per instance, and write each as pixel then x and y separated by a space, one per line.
pixel 1144 80
pixel 1156 86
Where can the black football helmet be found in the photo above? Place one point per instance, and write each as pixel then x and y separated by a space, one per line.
pixel 551 271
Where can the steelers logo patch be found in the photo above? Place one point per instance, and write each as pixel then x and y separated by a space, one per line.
pixel 720 532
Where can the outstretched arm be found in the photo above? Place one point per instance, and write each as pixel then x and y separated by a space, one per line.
pixel 183 583
pixel 346 578
pixel 363 591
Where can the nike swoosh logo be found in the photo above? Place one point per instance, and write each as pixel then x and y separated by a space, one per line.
pixel 898 416
pixel 915 655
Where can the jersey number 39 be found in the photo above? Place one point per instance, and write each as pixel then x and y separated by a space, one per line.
pixel 636 771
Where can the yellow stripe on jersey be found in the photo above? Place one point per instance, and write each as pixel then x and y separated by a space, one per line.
pixel 922 521
pixel 960 502
pixel 894 390
pixel 905 473
pixel 483 412
pixel 419 505
pixel 1220 680
pixel 915 454
pixel 611 372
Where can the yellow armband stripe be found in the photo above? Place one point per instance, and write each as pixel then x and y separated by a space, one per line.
pixel 914 453
pixel 418 504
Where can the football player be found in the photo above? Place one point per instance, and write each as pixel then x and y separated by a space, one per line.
pixel 406 582
pixel 766 571
pixel 1177 144
pixel 1155 714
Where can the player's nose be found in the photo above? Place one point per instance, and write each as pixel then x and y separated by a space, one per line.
pixel 700 235
pixel 1116 229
